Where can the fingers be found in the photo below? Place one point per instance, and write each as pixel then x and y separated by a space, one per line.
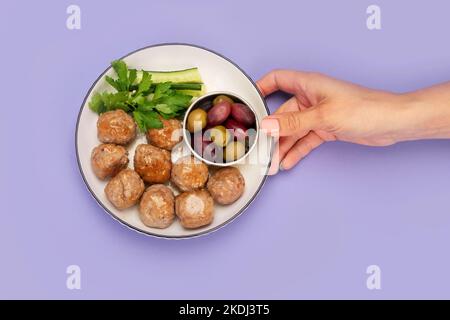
pixel 284 80
pixel 289 105
pixel 283 146
pixel 300 150
pixel 285 143
pixel 275 164
pixel 292 122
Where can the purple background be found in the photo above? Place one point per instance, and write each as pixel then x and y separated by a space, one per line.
pixel 312 231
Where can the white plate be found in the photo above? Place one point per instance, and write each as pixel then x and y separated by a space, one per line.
pixel 218 74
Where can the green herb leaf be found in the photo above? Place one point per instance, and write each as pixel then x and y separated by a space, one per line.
pixel 164 108
pixel 96 104
pixel 113 83
pixel 161 89
pixel 131 77
pixel 145 83
pixel 147 120
pixel 103 102
pixel 176 99
pixel 121 70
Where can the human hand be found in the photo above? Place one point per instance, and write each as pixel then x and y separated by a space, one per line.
pixel 325 109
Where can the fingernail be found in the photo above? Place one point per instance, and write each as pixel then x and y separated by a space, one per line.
pixel 271 125
pixel 272 170
pixel 281 168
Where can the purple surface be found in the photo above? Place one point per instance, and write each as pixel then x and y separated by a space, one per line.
pixel 312 231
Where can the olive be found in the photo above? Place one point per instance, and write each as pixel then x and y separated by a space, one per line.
pixel 243 114
pixel 219 135
pixel 198 142
pixel 196 120
pixel 250 137
pixel 238 130
pixel 206 105
pixel 219 113
pixel 234 151
pixel 222 98
pixel 211 152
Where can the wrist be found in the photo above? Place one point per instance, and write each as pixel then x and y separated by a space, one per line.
pixel 421 116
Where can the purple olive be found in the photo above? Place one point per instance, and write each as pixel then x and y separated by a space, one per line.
pixel 210 152
pixel 243 114
pixel 238 130
pixel 206 105
pixel 219 113
pixel 198 142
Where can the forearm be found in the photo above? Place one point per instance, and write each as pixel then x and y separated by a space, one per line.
pixel 426 114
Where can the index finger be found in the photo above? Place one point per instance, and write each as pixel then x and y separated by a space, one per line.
pixel 284 80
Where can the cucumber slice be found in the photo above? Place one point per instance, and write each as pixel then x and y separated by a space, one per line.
pixel 194 93
pixel 198 87
pixel 191 75
pixel 187 86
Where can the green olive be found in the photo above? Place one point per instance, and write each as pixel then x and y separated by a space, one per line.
pixel 222 98
pixel 234 151
pixel 197 120
pixel 220 136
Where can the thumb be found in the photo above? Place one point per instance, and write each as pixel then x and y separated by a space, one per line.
pixel 290 123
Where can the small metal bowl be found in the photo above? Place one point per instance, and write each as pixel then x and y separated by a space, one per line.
pixel 187 135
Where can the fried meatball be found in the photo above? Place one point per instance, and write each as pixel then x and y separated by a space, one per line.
pixel 157 207
pixel 153 164
pixel 108 159
pixel 116 127
pixel 226 185
pixel 125 189
pixel 189 173
pixel 194 208
pixel 166 137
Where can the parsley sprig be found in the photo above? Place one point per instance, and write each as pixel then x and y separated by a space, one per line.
pixel 147 102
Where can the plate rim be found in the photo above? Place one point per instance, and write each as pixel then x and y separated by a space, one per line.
pixel 128 225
